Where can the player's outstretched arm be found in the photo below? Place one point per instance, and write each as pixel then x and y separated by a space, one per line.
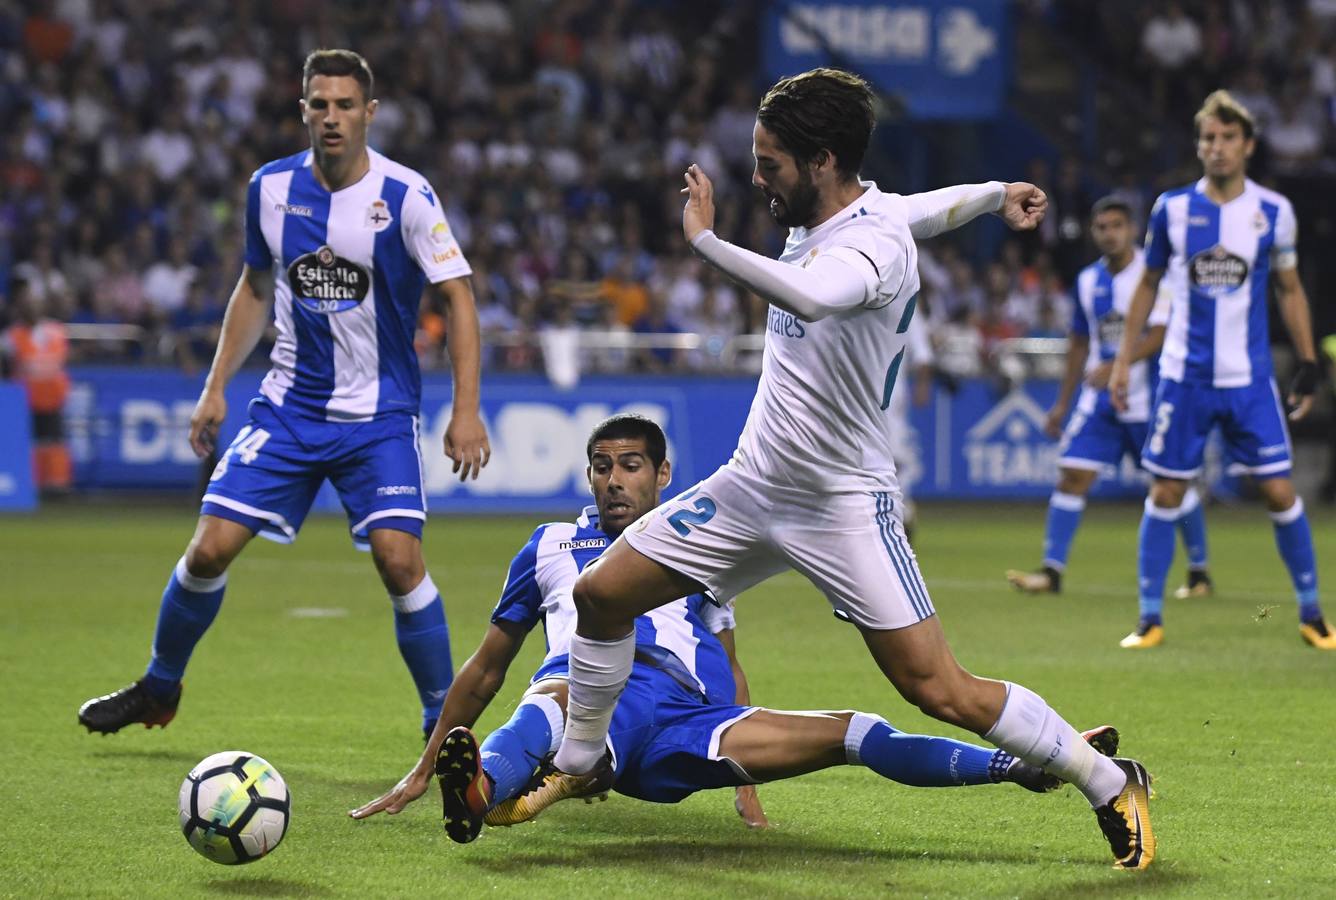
pixel 1293 302
pixel 465 437
pixel 244 322
pixel 746 801
pixel 827 286
pixel 1078 350
pixel 1138 311
pixel 1020 204
pixel 472 690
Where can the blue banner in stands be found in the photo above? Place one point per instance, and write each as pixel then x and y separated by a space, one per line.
pixel 128 429
pixel 943 59
pixel 16 485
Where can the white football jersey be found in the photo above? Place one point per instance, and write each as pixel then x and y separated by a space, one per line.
pixel 820 419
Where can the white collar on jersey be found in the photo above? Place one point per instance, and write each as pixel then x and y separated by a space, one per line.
pixel 588 518
pixel 1249 187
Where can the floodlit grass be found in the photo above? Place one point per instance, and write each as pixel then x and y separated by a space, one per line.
pixel 1233 715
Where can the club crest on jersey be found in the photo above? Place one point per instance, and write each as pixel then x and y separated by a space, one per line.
pixel 1216 271
pixel 1261 224
pixel 378 216
pixel 324 282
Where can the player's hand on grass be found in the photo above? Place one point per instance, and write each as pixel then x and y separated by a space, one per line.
pixel 1118 376
pixel 748 805
pixel 412 786
pixel 1053 421
pixel 1023 207
pixel 1099 376
pixel 698 213
pixel 205 422
pixel 466 444
pixel 1302 388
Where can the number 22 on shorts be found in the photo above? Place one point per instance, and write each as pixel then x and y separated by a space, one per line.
pixel 702 511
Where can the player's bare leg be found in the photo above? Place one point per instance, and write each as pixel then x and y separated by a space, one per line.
pixel 1064 515
pixel 1294 540
pixel 191 600
pixel 608 596
pixel 215 544
pixel 918 661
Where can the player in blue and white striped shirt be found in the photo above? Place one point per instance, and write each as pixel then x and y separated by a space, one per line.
pixel 684 722
pixel 1219 241
pixel 1098 437
pixel 350 240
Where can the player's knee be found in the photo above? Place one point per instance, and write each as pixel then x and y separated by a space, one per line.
pixel 1167 493
pixel 594 602
pixel 945 699
pixel 1073 481
pixel 401 568
pixel 207 557
pixel 1278 494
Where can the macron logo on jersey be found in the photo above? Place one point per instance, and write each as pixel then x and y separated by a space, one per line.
pixel 583 544
pixel 293 209
pixel 426 192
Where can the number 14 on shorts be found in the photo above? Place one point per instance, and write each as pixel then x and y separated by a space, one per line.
pixel 245 448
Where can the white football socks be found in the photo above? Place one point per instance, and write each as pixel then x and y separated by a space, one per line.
pixel 1030 729
pixel 598 673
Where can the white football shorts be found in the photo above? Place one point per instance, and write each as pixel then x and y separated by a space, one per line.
pixel 732 531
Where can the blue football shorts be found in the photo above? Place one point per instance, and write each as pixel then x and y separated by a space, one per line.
pixel 1252 429
pixel 269 476
pixel 665 739
pixel 1096 438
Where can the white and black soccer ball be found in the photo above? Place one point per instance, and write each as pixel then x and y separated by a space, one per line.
pixel 234 807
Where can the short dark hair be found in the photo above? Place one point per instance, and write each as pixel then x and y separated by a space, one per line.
pixel 628 426
pixel 1222 105
pixel 823 109
pixel 339 62
pixel 1111 203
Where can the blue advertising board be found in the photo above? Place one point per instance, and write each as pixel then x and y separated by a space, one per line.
pixel 17 492
pixel 945 59
pixel 129 430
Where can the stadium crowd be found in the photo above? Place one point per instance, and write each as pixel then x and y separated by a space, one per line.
pixel 555 132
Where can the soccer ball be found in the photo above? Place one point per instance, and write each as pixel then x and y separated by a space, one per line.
pixel 234 807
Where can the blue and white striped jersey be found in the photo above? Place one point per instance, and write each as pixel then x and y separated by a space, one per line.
pixel 349 270
pixel 1102 300
pixel 1218 260
pixel 679 636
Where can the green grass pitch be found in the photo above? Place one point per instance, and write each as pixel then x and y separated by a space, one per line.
pixel 1234 716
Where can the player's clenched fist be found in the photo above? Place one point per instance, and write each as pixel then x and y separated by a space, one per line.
pixel 698 214
pixel 1024 206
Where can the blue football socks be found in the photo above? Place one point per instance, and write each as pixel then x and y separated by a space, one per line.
pixel 1294 539
pixel 424 643
pixel 1064 517
pixel 189 606
pixel 1192 525
pixel 1155 554
pixel 512 752
pixel 919 760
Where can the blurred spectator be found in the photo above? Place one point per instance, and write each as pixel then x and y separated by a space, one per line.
pixel 656 321
pixel 167 282
pixel 1173 43
pixel 36 351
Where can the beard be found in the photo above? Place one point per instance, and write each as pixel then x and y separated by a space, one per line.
pixel 798 208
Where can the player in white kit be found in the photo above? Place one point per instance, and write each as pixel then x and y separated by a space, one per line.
pixel 812 485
